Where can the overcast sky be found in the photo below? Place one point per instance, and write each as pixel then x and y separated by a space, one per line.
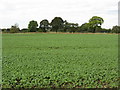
pixel 75 11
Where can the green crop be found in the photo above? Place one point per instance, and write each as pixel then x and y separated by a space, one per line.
pixel 60 61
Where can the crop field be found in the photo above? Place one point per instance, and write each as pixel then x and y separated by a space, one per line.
pixel 42 60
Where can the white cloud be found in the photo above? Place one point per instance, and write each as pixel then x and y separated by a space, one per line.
pixel 77 11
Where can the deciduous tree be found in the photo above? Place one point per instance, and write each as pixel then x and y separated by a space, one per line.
pixel 32 26
pixel 57 24
pixel 44 25
pixel 95 21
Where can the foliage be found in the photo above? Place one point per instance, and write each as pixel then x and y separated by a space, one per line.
pixel 84 27
pixel 95 21
pixel 70 27
pixel 14 29
pixel 32 26
pixel 44 25
pixel 57 24
pixel 24 30
pixel 116 29
pixel 40 30
pixel 60 61
pixel 4 30
pixel 103 30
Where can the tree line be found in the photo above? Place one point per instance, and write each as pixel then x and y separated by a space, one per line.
pixel 59 25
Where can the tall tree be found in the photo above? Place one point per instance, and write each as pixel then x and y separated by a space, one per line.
pixel 95 21
pixel 44 25
pixel 57 24
pixel 32 26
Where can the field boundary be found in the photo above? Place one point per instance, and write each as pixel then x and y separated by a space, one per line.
pixel 57 33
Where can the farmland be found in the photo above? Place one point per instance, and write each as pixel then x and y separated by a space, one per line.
pixel 45 60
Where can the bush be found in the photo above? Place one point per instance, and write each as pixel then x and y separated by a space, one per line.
pixel 24 30
pixel 116 29
pixel 40 30
pixel 6 30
